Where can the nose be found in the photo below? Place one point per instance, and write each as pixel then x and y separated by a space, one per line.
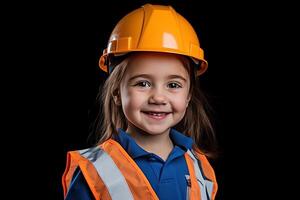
pixel 158 97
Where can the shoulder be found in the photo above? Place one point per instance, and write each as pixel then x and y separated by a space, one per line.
pixel 72 173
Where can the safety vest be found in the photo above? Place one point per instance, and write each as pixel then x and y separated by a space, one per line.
pixel 113 175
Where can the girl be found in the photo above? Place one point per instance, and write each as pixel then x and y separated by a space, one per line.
pixel 155 132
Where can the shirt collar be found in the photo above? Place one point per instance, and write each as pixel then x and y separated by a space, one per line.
pixel 181 140
pixel 128 143
pixel 134 150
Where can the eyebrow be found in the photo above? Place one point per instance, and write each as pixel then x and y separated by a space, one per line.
pixel 173 76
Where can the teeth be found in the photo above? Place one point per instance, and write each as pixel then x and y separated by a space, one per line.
pixel 156 114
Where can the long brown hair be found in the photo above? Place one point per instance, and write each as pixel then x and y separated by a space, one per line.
pixel 196 122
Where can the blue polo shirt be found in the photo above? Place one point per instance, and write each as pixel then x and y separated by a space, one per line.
pixel 167 178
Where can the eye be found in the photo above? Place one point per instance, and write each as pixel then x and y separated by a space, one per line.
pixel 174 85
pixel 143 84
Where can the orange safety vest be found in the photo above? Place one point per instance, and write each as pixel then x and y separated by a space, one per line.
pixel 112 174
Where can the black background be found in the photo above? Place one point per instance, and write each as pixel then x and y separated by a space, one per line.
pixel 250 83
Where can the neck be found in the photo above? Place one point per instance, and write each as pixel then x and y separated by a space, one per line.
pixel 159 144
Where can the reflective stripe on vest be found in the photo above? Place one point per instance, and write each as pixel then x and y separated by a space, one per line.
pixel 206 186
pixel 109 173
pixel 136 179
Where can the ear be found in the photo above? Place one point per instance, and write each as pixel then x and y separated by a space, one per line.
pixel 188 100
pixel 117 98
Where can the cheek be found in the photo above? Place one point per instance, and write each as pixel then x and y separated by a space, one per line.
pixel 131 100
pixel 180 103
pixel 181 99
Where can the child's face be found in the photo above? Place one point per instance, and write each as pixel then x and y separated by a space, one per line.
pixel 154 92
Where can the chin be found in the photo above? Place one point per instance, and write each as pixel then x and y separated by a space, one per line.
pixel 155 130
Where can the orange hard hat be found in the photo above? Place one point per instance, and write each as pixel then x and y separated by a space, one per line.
pixel 154 28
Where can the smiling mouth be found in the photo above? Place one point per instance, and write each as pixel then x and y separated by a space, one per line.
pixel 156 115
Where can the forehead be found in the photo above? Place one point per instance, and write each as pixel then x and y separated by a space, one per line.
pixel 156 64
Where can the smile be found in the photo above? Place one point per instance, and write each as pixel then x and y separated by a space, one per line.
pixel 156 115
